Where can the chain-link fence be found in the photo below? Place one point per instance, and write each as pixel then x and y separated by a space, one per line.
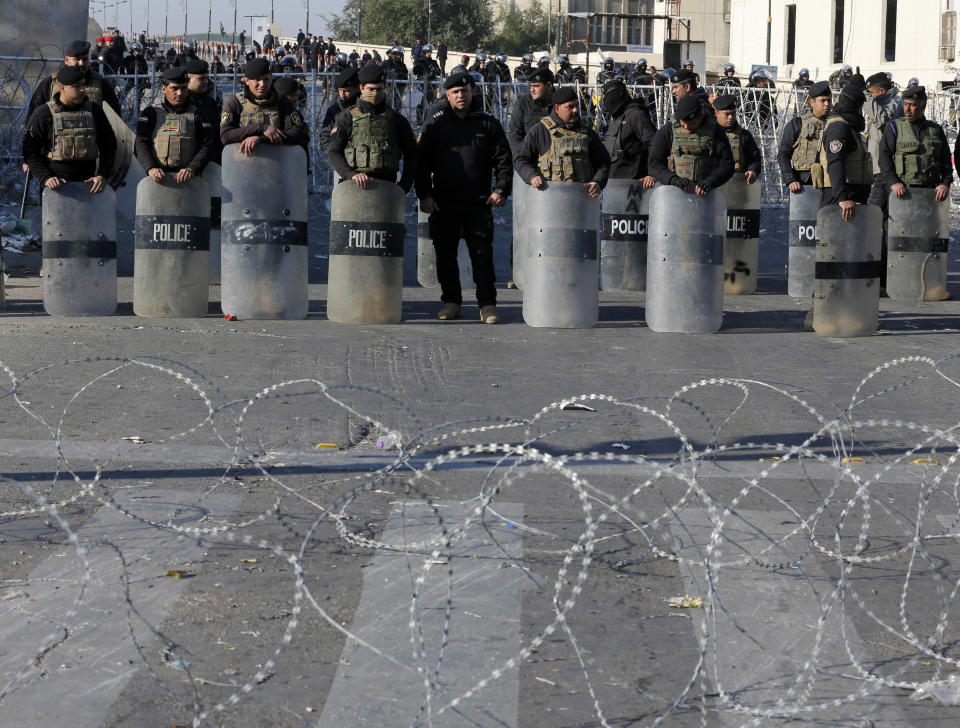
pixel 762 111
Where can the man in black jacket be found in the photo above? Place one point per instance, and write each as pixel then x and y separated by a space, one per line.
pixel 348 91
pixel 528 110
pixel 629 134
pixel 843 155
pixel 99 90
pixel 747 159
pixel 799 146
pixel 459 152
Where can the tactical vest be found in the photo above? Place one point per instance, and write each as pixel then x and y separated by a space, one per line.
pixel 93 86
pixel 74 134
pixel 175 136
pixel 373 147
pixel 568 157
pixel 692 155
pixel 918 164
pixel 858 164
pixel 739 154
pixel 806 146
pixel 255 111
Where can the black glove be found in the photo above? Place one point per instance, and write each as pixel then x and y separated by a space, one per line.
pixel 705 186
pixel 681 182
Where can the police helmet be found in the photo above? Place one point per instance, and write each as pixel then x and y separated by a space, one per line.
pixel 913 82
pixel 502 57
pixel 846 69
pixel 459 68
pixel 759 73
pixel 428 48
pixel 642 63
pixel 956 79
pixel 135 47
pixel 804 72
pixel 527 58
pixel 608 63
pixel 688 64
pixel 729 68
pixel 481 56
pixel 667 73
pixel 342 58
pixel 544 61
pixel 188 46
pixel 477 77
pixel 396 52
pixel 288 61
pixel 563 61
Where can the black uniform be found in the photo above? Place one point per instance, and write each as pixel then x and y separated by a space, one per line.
pixel 628 140
pixel 426 68
pixel 291 123
pixel 802 84
pixel 525 115
pixel 521 72
pixel 537 141
pixel 42 95
pixel 660 153
pixel 565 74
pixel 442 57
pixel 340 136
pixel 210 107
pixel 729 82
pixel 838 142
pixel 749 152
pixel 323 136
pixel 146 151
pixel 395 69
pixel 38 142
pixel 457 159
pixel 134 64
pixel 888 145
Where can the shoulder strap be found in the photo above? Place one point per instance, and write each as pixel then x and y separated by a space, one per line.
pixel 355 112
pixel 548 122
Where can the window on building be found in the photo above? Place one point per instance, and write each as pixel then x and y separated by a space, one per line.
pixel 791 33
pixel 838 31
pixel 948 35
pixel 890 32
pixel 635 30
pixel 648 32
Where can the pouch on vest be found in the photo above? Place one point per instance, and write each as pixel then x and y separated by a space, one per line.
pixel 816 175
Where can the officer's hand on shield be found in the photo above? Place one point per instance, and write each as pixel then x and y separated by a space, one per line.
pixel 703 189
pixel 496 199
pixel 55 183
pixel 184 175
pixel 649 182
pixel 96 184
pixel 274 135
pixel 593 189
pixel 941 192
pixel 361 180
pixel 537 182
pixel 751 177
pixel 157 175
pixel 848 210
pixel 428 205
pixel 681 183
pixel 899 189
pixel 796 188
pixel 248 145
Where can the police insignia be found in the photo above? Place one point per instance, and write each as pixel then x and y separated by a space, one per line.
pixel 224 118
pixel 835 146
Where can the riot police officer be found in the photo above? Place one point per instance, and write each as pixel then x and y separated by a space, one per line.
pixel 629 134
pixel 98 89
pixel 565 71
pixel 394 68
pixel 691 153
pixel 561 148
pixel 525 68
pixel 425 67
pixel 803 79
pixel 608 72
pixel 729 77
pixel 685 84
pixel 258 114
pixel 68 139
pixel 543 62
pixel 843 77
pixel 479 64
pixel 348 91
pixel 528 110
pixel 500 70
pixel 747 159
pixel 172 136
pixel 800 143
pixel 208 100
pixel 369 139
pixel 458 153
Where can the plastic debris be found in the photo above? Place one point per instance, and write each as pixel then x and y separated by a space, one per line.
pixel 945 692
pixel 177 574
pixel 389 441
pixel 230 316
pixel 621 445
pixel 775 458
pixel 925 461
pixel 134 438
pixel 248 561
pixel 577 406
pixel 852 460
pixel 685 602
pixel 327 445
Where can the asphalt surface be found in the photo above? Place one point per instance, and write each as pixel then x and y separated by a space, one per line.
pixel 191 570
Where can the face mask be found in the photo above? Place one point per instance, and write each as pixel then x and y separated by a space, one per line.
pixel 373 97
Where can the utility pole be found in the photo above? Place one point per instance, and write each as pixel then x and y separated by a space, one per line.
pixel 166 18
pixel 271 12
pixel 209 18
pixel 307 29
pixel 429 19
pixel 769 27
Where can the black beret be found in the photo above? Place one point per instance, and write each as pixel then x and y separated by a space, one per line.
pixel 687 108
pixel 879 79
pixel 256 68
pixel 70 75
pixel 77 48
pixel 197 65
pixel 371 74
pixel 915 92
pixel 563 95
pixel 684 76
pixel 285 85
pixel 456 80
pixel 856 80
pixel 541 75
pixel 348 78
pixel 821 88
pixel 725 102
pixel 174 74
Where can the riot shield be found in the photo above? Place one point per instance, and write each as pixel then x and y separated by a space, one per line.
pixel 211 175
pixel 365 280
pixel 803 242
pixel 427 257
pixel 685 261
pixel 561 272
pixel 171 268
pixel 521 193
pixel 263 250
pixel 623 236
pixel 918 235
pixel 847 296
pixel 79 251
pixel 741 245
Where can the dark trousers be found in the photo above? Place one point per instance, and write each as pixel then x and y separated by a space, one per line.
pixel 473 223
pixel 880 196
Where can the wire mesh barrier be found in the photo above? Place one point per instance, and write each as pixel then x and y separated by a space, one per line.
pixel 807 591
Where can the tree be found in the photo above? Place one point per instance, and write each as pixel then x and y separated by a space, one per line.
pixel 521 30
pixel 459 23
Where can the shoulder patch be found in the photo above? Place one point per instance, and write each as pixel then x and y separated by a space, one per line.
pixel 224 119
pixel 836 145
pixel 296 118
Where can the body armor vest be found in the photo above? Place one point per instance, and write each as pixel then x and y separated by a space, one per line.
pixel 806 147
pixel 255 111
pixel 74 134
pixel 739 155
pixel 692 155
pixel 857 166
pixel 918 164
pixel 373 147
pixel 93 87
pixel 568 158
pixel 175 136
